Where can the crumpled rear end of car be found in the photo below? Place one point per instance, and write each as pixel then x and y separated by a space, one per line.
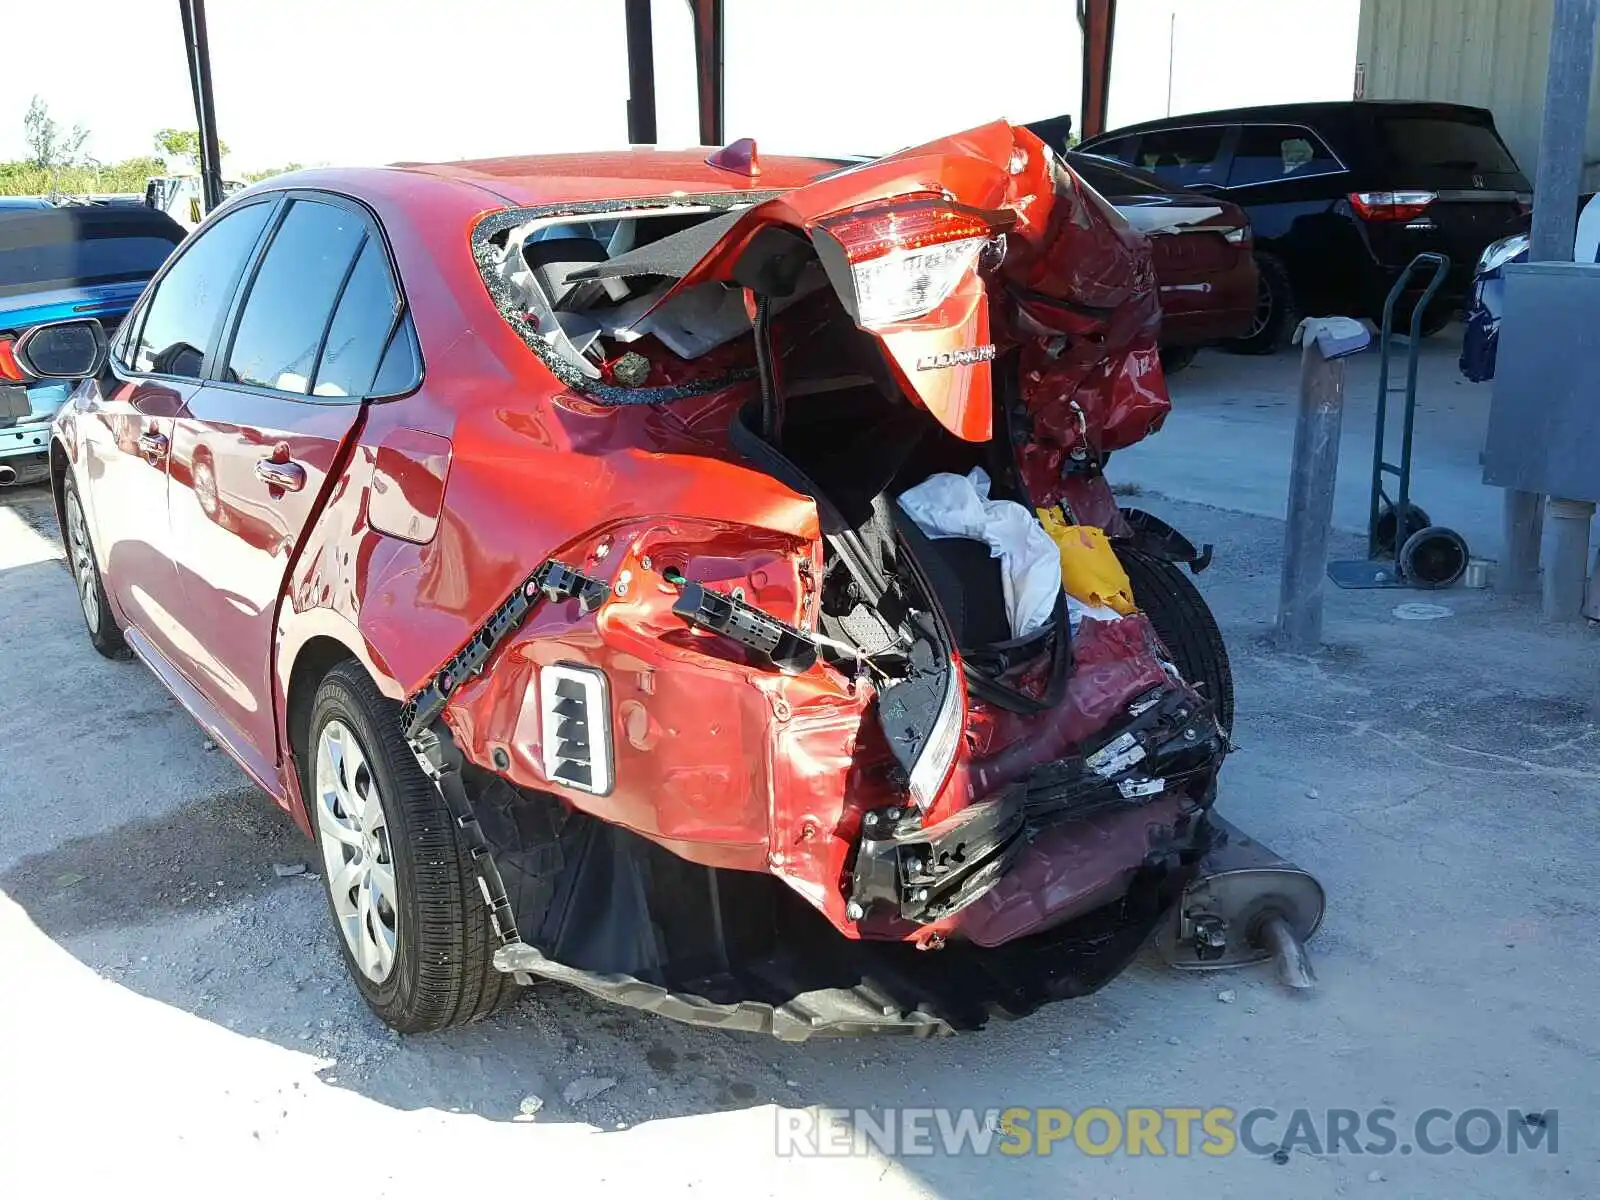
pixel 754 749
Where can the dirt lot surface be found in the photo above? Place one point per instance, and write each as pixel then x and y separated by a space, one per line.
pixel 175 1017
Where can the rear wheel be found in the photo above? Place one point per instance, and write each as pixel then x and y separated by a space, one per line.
pixel 403 891
pixel 1185 625
pixel 104 635
pixel 1276 314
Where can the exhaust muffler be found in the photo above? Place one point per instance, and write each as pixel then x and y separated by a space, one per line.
pixel 8 476
pixel 1245 905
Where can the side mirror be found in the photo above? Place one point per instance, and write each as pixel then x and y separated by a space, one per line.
pixel 62 349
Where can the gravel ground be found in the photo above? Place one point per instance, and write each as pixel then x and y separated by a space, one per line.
pixel 176 1012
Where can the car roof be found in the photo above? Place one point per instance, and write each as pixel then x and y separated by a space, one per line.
pixel 1302 113
pixel 636 173
pixel 79 221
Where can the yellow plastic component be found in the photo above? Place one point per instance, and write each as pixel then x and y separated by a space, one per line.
pixel 1089 567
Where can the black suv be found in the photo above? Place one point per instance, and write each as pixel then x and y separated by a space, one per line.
pixel 1342 196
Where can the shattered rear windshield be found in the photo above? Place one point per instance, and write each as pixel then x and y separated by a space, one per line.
pixel 592 294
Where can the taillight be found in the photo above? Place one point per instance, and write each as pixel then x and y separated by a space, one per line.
pixel 1525 205
pixel 932 769
pixel 10 372
pixel 1391 206
pixel 905 259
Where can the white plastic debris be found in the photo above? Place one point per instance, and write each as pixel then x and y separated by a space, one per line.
pixel 946 505
pixel 1077 611
pixel 1336 337
pixel 1422 612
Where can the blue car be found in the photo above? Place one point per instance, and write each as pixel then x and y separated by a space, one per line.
pixel 1486 302
pixel 57 264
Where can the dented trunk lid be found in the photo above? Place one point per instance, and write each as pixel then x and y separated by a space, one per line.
pixel 1059 275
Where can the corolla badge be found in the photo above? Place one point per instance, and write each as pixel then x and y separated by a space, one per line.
pixel 956 358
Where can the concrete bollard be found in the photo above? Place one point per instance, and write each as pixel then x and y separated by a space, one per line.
pixel 1566 574
pixel 1523 525
pixel 1326 342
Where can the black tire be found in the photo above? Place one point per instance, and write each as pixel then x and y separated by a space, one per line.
pixel 104 635
pixel 1417 519
pixel 1435 557
pixel 1177 358
pixel 1277 312
pixel 443 974
pixel 1185 625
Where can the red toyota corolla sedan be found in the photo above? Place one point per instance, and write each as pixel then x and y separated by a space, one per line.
pixel 537 533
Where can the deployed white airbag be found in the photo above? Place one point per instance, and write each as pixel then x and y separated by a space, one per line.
pixel 945 506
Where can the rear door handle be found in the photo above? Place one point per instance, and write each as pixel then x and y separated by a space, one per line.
pixel 153 445
pixel 287 476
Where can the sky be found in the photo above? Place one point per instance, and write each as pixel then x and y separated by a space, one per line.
pixel 373 81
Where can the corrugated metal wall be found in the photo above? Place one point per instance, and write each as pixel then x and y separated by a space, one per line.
pixel 1486 52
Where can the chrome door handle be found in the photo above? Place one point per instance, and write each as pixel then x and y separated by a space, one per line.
pixel 286 476
pixel 153 445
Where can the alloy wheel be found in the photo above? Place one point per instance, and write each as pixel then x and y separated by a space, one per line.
pixel 82 561
pixel 356 851
pixel 1263 315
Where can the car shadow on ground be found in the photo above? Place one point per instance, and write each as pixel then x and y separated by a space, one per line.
pixel 192 908
pixel 211 903
pixel 189 909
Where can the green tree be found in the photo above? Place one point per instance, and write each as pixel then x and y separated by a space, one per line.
pixel 258 176
pixel 47 146
pixel 182 143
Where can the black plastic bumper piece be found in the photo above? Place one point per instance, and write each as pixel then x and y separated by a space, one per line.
pixel 1160 540
pixel 784 646
pixel 1172 740
pixel 552 581
pixel 926 874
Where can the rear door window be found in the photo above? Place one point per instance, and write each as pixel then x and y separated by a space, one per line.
pixel 291 299
pixel 1121 149
pixel 360 329
pixel 1185 156
pixel 186 309
pixel 1270 153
